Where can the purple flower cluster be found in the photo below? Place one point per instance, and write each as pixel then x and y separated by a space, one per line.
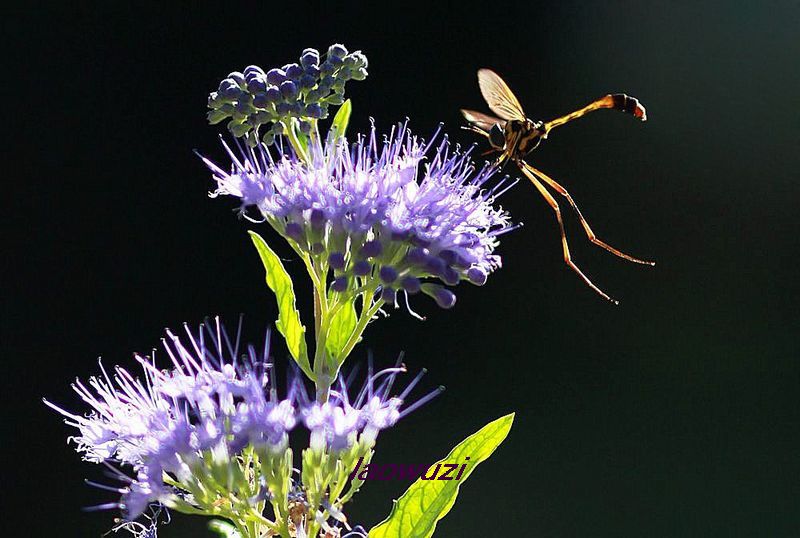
pixel 172 420
pixel 340 422
pixel 371 214
pixel 186 422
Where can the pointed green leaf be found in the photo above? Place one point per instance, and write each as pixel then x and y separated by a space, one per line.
pixel 341 327
pixel 342 118
pixel 223 528
pixel 418 510
pixel 297 139
pixel 288 323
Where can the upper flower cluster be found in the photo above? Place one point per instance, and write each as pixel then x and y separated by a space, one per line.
pixel 366 209
pixel 304 90
pixel 182 429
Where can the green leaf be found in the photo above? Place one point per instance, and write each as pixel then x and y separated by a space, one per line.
pixel 298 140
pixel 288 323
pixel 342 118
pixel 415 514
pixel 340 329
pixel 223 528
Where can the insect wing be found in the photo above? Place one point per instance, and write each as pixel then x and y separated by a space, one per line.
pixel 482 121
pixel 499 96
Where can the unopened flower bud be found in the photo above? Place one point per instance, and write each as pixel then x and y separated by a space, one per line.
pixel 444 298
pixel 288 89
pixel 310 57
pixel 307 81
pixel 273 94
pixel 260 100
pixel 417 255
pixel 294 230
pixel 362 268
pixel 371 249
pixel 359 74
pixel 339 284
pixel 450 276
pixel 254 70
pixel 477 276
pixel 312 70
pixel 238 78
pixel 335 99
pixel 229 90
pixel 317 219
pixel 239 129
pixel 411 284
pixel 449 256
pixel 388 274
pixel 337 51
pixel 314 111
pixel 216 116
pixel 336 260
pixel 293 71
pixel 389 295
pixel 276 76
pixel 434 265
pixel 257 84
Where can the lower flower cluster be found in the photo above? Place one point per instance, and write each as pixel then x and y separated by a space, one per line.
pixel 210 435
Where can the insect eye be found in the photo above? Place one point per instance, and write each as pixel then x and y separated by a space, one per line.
pixel 497 137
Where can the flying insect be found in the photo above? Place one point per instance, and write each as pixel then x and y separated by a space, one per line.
pixel 514 136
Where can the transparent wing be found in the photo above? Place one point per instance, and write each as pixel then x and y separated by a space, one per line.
pixel 482 121
pixel 499 96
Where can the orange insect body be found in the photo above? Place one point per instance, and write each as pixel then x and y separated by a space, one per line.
pixel 514 136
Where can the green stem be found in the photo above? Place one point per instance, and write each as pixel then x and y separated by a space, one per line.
pixel 243 530
pixel 365 318
pixel 322 319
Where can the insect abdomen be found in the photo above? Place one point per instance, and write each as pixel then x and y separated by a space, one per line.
pixel 631 105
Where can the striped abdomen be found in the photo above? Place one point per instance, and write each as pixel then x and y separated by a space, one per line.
pixel 631 105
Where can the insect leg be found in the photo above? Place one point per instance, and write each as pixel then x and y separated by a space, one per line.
pixel 589 233
pixel 617 101
pixel 567 257
pixel 475 129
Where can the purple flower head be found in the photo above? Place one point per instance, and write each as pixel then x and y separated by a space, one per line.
pixel 344 420
pixel 380 207
pixel 210 404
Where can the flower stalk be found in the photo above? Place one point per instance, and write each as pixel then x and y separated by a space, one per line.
pixel 375 223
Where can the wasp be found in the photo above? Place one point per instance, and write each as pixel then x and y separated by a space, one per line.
pixel 515 136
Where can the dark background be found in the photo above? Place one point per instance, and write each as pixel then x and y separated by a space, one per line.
pixel 674 414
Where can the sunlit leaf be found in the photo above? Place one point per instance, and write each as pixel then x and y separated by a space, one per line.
pixel 342 118
pixel 418 510
pixel 298 140
pixel 288 323
pixel 223 528
pixel 340 330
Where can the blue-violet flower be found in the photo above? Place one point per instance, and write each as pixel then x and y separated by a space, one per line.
pixel 367 212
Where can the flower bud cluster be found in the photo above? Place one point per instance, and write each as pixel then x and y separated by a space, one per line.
pixel 262 103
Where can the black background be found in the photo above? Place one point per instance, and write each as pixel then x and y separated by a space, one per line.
pixel 674 414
